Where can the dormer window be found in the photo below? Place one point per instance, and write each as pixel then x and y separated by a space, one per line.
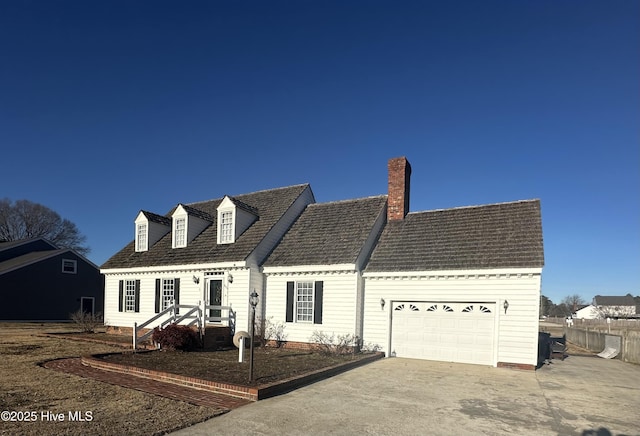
pixel 234 218
pixel 226 227
pixel 150 228
pixel 180 232
pixel 141 237
pixel 188 223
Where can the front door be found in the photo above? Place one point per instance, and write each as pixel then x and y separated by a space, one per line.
pixel 215 297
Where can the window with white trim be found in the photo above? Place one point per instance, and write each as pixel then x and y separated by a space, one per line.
pixel 130 296
pixel 226 227
pixel 180 232
pixel 304 301
pixel 168 292
pixel 141 240
pixel 69 266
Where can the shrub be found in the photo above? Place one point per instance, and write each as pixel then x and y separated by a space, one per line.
pixel 176 337
pixel 269 330
pixel 342 344
pixel 88 322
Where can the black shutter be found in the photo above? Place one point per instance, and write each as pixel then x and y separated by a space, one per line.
pixel 317 303
pixel 290 296
pixel 157 295
pixel 120 295
pixel 176 293
pixel 137 297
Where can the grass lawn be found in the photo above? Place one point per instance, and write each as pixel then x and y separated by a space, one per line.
pixel 27 387
pixel 269 364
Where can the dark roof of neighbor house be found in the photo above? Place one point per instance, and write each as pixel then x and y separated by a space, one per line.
pixel 269 205
pixel 612 300
pixel 33 257
pixel 505 235
pixel 329 233
pixel 4 245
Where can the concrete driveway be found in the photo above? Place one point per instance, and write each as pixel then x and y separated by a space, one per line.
pixel 577 396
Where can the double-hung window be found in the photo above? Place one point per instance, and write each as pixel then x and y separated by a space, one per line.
pixel 180 232
pixel 304 301
pixel 141 241
pixel 168 292
pixel 69 266
pixel 130 296
pixel 226 227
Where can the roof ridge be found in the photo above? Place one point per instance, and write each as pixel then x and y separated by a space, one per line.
pixel 246 193
pixel 371 197
pixel 476 206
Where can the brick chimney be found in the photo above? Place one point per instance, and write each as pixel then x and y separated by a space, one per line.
pixel 399 181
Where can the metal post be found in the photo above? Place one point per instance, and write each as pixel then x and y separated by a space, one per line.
pixel 253 330
pixel 135 336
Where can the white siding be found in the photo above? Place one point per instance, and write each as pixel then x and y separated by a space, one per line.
pixel 190 293
pixel 339 304
pixel 276 233
pixel 516 332
pixel 234 294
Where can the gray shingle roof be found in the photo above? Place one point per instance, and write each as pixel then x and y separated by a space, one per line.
pixel 477 237
pixel 328 233
pixel 155 218
pixel 270 206
pixel 612 300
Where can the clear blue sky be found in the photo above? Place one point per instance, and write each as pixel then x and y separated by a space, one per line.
pixel 110 107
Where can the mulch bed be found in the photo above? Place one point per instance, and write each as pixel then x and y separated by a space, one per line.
pixel 270 364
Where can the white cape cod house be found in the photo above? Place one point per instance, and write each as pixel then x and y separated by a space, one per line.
pixel 457 285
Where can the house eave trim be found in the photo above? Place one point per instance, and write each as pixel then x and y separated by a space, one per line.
pixel 460 272
pixel 165 268
pixel 300 269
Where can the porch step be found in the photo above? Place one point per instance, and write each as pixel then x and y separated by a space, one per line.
pixel 216 337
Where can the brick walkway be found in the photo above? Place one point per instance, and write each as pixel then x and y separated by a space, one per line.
pixel 167 390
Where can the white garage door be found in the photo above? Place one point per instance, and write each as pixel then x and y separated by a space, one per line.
pixel 450 332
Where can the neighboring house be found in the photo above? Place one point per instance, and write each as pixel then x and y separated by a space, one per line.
pixel 587 312
pixel 40 282
pixel 615 306
pixel 459 285
pixel 208 252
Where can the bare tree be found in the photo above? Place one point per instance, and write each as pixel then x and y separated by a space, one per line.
pixel 573 301
pixel 26 220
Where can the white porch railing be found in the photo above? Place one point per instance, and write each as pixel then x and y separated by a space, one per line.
pixel 196 314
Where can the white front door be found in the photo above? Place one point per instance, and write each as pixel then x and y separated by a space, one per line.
pixel 444 331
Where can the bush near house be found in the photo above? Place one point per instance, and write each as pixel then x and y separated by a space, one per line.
pixel 88 322
pixel 176 337
pixel 330 344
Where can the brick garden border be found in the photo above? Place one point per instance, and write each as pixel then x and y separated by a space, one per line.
pixel 256 393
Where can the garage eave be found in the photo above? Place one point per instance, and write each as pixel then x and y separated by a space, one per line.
pixel 466 272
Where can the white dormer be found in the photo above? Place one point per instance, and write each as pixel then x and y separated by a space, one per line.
pixel 233 219
pixel 187 223
pixel 149 229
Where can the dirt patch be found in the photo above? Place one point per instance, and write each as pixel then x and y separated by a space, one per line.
pixel 270 364
pixel 25 386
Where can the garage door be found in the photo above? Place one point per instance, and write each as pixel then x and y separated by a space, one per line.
pixel 450 332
